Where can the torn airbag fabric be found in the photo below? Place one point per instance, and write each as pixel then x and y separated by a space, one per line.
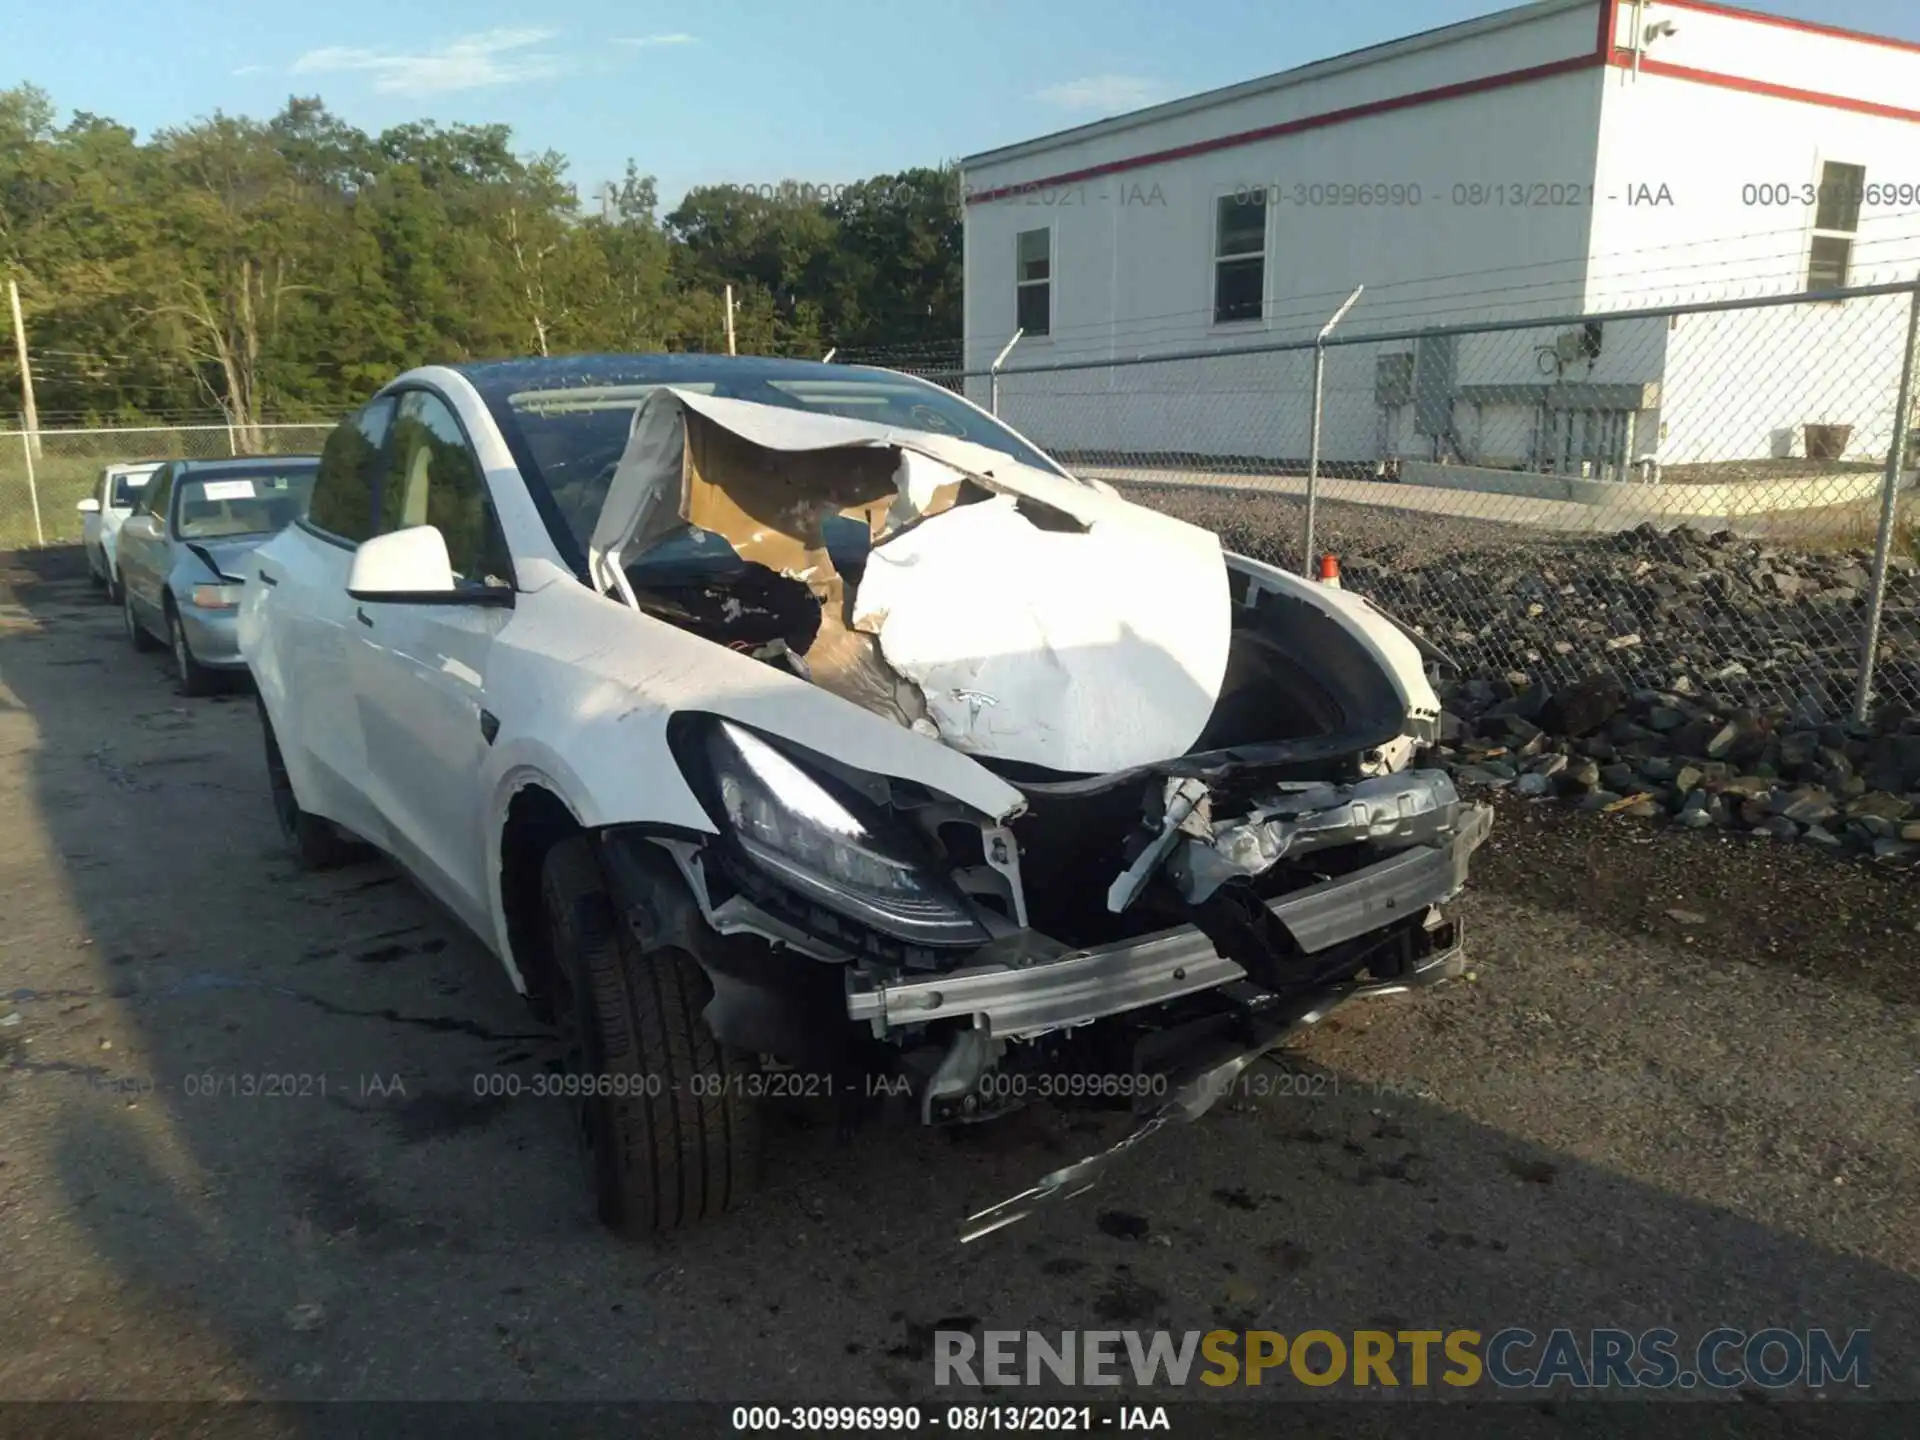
pixel 1082 653
pixel 1014 613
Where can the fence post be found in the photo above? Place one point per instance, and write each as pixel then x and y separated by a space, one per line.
pixel 993 373
pixel 1889 510
pixel 28 438
pixel 1313 427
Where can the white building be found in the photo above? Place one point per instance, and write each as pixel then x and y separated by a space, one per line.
pixel 1564 158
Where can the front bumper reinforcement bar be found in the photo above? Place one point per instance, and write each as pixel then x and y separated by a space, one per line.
pixel 1087 985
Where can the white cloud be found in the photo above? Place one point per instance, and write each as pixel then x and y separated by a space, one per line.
pixel 250 70
pixel 1103 92
pixel 492 57
pixel 678 37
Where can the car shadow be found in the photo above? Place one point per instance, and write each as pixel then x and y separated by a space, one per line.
pixel 254 1149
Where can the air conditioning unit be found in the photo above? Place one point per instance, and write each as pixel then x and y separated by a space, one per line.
pixel 1393 379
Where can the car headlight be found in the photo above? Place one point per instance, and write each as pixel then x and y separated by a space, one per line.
pixel 217 597
pixel 794 828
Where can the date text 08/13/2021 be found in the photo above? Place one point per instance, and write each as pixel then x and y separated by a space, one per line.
pixel 955 1419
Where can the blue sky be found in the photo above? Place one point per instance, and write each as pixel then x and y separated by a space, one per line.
pixel 722 92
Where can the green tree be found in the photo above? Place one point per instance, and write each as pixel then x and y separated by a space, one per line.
pixel 901 239
pixel 297 263
pixel 237 237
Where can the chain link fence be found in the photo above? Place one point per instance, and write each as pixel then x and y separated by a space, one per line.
pixel 1712 496
pixel 1717 496
pixel 45 474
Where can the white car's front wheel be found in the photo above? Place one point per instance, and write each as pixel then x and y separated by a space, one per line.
pixel 669 1130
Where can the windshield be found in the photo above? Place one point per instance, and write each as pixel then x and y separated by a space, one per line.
pixel 572 438
pixel 251 502
pixel 126 489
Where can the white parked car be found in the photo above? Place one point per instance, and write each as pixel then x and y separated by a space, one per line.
pixel 103 513
pixel 800 729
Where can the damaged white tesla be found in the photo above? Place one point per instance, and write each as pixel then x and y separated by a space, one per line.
pixel 790 728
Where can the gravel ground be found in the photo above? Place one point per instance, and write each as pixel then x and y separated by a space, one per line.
pixel 1623 1118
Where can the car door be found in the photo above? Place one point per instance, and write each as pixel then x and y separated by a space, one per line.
pixel 300 649
pixel 420 668
pixel 141 552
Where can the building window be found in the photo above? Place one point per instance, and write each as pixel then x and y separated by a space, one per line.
pixel 1239 257
pixel 1835 220
pixel 1033 282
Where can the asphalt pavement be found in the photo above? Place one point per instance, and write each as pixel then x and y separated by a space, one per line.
pixel 247 1148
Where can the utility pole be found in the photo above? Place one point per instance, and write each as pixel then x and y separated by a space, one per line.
pixel 26 370
pixel 730 349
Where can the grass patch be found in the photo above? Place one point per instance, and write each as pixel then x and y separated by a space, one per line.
pixel 69 465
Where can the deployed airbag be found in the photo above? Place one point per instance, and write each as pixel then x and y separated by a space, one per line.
pixel 1081 652
pixel 1015 614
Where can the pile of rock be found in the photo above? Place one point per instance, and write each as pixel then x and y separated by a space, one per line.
pixel 1763 624
pixel 1699 679
pixel 1695 757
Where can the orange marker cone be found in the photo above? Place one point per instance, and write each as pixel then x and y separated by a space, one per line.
pixel 1330 570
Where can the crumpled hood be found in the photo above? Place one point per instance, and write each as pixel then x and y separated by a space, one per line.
pixel 1012 613
pixel 226 553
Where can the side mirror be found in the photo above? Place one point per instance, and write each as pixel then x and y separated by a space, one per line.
pixel 88 506
pixel 408 564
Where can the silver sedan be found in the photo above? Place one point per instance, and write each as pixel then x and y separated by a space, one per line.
pixel 180 549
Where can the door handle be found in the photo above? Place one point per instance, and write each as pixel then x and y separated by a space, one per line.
pixel 266 579
pixel 360 614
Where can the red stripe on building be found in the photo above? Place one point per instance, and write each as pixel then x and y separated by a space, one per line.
pixel 1805 27
pixel 1650 66
pixel 1604 53
pixel 1306 122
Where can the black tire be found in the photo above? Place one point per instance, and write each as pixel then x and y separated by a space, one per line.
pixel 112 587
pixel 678 1140
pixel 194 678
pixel 95 578
pixel 315 843
pixel 136 633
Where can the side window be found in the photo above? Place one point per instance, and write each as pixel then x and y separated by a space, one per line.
pixel 155 498
pixel 1239 256
pixel 344 500
pixel 1836 221
pixel 1033 281
pixel 434 479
